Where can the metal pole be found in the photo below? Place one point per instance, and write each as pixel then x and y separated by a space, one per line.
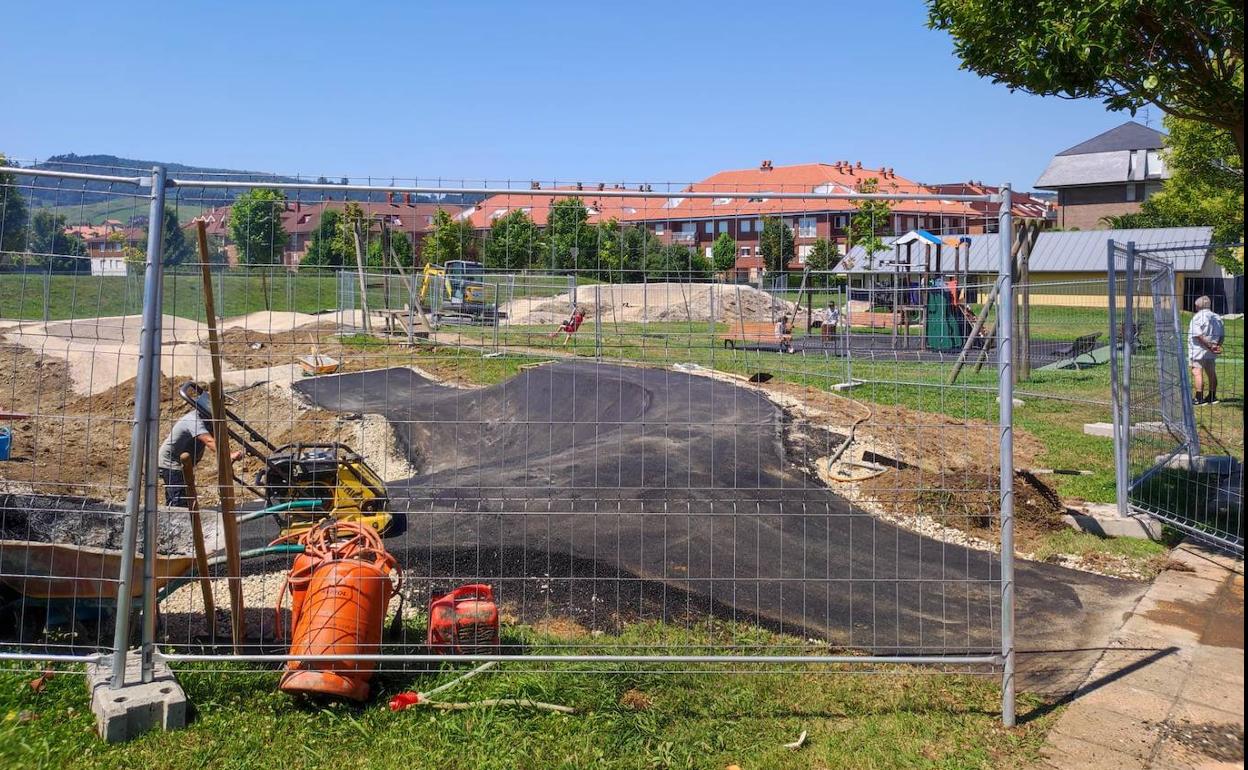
pixel 142 410
pixel 47 293
pixel 1128 344
pixel 152 438
pixel 1185 383
pixel 1005 386
pixel 1116 385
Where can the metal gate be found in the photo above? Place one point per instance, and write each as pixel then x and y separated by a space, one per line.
pixel 1175 460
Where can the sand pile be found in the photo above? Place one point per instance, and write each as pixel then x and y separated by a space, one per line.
pixel 636 302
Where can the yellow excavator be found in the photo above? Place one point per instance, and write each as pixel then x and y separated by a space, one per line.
pixel 457 290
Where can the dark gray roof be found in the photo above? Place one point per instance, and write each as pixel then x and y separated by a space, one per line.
pixel 1075 251
pixel 1128 136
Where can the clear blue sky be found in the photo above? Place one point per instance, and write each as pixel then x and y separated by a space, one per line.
pixel 518 90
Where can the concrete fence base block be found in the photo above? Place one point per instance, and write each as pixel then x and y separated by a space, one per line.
pixel 1104 520
pixel 1201 465
pixel 136 707
pixel 1102 429
pixel 840 386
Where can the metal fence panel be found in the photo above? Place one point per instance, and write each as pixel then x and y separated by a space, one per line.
pixel 666 481
pixel 1180 461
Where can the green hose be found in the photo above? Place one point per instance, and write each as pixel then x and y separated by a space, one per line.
pixel 291 505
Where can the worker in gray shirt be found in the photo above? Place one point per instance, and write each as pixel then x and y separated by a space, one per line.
pixel 190 435
pixel 1204 345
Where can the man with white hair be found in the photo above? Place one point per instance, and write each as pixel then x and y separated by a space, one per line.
pixel 1204 345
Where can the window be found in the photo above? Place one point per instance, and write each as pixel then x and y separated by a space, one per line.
pixel 806 227
pixel 708 227
pixel 1130 192
pixel 804 251
pixel 658 228
pixel 721 201
pixel 722 225
pixel 747 225
pixel 745 251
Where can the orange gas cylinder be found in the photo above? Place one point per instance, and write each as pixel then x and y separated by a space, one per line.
pixel 464 621
pixel 340 588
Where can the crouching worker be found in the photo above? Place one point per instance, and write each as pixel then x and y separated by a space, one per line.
pixel 190 435
pixel 569 327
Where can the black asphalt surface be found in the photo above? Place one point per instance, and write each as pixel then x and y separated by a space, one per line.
pixel 614 493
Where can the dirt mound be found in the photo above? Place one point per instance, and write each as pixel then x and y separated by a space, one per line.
pixel 636 302
pixel 31 382
pixel 86 522
pixel 245 348
pixel 966 501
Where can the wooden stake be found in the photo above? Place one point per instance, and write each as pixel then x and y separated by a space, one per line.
pixel 225 469
pixel 197 534
pixel 359 272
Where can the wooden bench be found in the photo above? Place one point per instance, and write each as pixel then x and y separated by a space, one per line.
pixel 1082 346
pixel 749 332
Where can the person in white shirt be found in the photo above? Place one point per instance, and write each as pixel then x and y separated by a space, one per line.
pixel 1204 345
pixel 831 318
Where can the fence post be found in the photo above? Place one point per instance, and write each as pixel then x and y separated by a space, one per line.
pixel 1185 382
pixel 47 293
pixel 1116 386
pixel 1128 345
pixel 1005 388
pixel 597 320
pixel 149 347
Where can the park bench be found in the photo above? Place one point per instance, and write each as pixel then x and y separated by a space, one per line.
pixel 749 333
pixel 1081 346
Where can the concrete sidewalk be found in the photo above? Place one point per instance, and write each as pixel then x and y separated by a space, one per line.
pixel 1169 691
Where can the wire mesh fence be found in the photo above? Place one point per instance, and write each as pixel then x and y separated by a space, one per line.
pixel 646 455
pixel 1180 398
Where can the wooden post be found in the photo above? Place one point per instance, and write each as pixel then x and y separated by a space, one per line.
pixel 225 469
pixel 359 272
pixel 197 534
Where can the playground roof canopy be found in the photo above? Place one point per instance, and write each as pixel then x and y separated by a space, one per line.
pixel 1076 251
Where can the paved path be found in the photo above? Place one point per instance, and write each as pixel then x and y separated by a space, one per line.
pixel 1169 693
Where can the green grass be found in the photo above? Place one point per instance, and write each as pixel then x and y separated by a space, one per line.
pixel 120 207
pixel 899 718
pixel 1112 554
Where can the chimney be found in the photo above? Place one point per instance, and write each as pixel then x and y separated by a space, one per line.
pixel 602 186
pixel 765 166
pixel 535 185
pixel 579 187
pixel 858 164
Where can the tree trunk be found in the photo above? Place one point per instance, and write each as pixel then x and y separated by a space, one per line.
pixel 1238 132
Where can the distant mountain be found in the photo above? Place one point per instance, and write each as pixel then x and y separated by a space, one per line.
pixel 46 192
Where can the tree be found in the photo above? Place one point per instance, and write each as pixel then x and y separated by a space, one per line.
pixel 256 227
pixel 638 248
pixel 131 254
pixel 776 244
pixel 393 246
pixel 870 222
pixel 571 240
pixel 514 243
pixel 448 239
pixel 1184 57
pixel 1205 188
pixel 52 246
pixel 175 249
pixel 823 256
pixel 325 248
pixel 677 262
pixel 13 213
pixel 724 253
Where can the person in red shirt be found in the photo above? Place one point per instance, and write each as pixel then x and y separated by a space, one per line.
pixel 569 327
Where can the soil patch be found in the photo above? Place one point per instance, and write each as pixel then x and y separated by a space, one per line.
pixel 245 348
pixel 967 501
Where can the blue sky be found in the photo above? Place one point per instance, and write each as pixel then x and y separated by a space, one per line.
pixel 519 90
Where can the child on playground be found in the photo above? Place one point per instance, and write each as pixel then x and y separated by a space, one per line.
pixel 784 335
pixel 569 327
pixel 831 319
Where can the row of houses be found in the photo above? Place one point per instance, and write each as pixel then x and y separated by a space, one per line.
pixel 1109 174
pixel 676 217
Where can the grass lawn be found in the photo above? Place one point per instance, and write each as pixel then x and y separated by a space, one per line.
pixel 898 718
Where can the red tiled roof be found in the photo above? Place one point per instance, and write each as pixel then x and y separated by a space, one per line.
pixel 601 208
pixel 667 206
pixel 303 218
pixel 1022 204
